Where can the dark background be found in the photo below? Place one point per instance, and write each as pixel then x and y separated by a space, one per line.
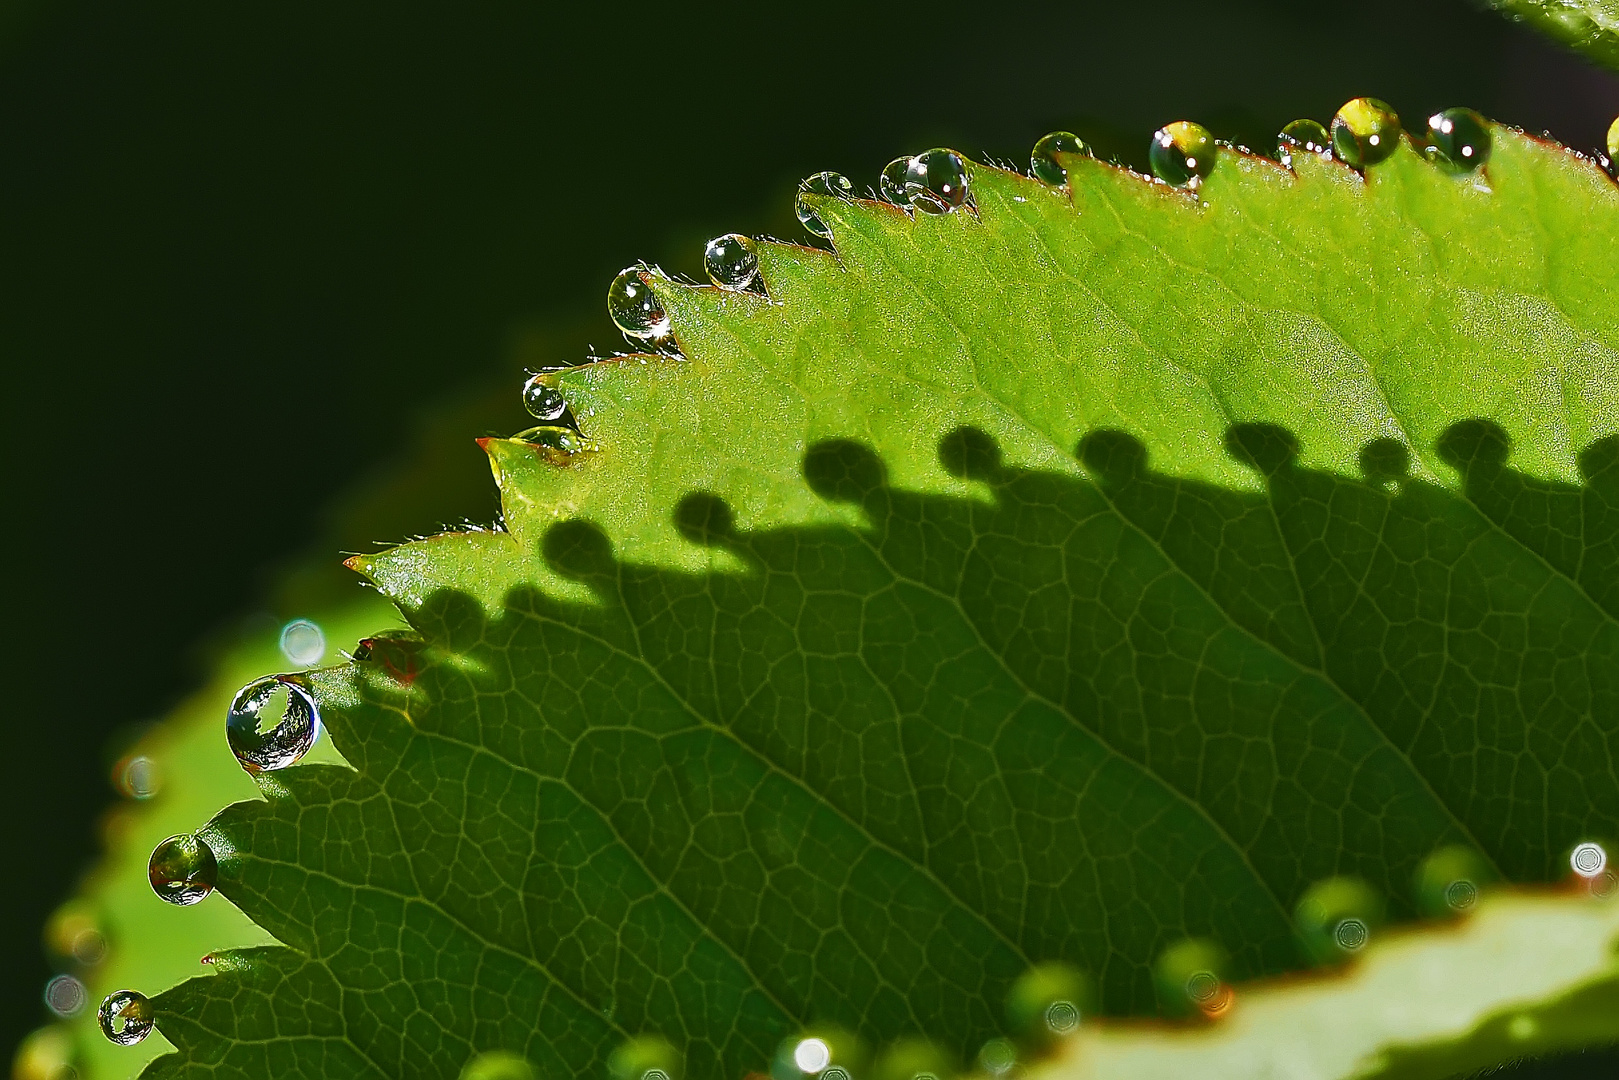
pixel 247 249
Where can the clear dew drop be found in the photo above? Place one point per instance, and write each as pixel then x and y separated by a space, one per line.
pixel 125 1017
pixel 285 742
pixel 1450 881
pixel 1182 154
pixel 1302 136
pixel 634 307
pixel 732 261
pixel 1613 141
pixel 183 870
pixel 65 996
pixel 303 643
pixel 543 401
pixel 1364 132
pixel 1458 140
pixel 822 183
pixel 892 181
pixel 1043 163
pixel 936 181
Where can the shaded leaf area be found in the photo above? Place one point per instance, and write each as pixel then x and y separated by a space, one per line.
pixel 868 772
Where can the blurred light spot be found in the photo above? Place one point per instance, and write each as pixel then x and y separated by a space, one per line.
pixel 89 947
pixel 136 777
pixel 812 1055
pixel 998 1056
pixel 1062 1017
pixel 1351 934
pixel 302 643
pixel 65 996
pixel 1461 894
pixel 1522 1027
pixel 1588 859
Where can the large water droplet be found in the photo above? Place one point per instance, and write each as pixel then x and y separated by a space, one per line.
pixel 822 183
pixel 183 870
pixel 1191 978
pixel 1449 881
pixel 732 261
pixel 893 181
pixel 1048 1001
pixel 824 1053
pixel 543 400
pixel 302 643
pixel 125 1017
pixel 936 181
pixel 1458 140
pixel 283 744
pixel 634 308
pixel 913 1059
pixel 1337 917
pixel 647 1057
pixel 1043 163
pixel 65 996
pixel 1364 132
pixel 1301 137
pixel 1182 153
pixel 1613 141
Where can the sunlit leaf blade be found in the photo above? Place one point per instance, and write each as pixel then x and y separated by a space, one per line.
pixel 1050 580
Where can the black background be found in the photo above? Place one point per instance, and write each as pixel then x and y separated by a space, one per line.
pixel 246 248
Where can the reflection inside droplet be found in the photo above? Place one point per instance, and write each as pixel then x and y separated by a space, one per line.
pixel 302 643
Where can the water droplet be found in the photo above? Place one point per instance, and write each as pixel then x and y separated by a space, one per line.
pixel 634 308
pixel 1043 163
pixel 998 1057
pixel 826 1053
pixel 1182 153
pixel 732 261
pixel 283 744
pixel 125 1017
pixel 542 400
pixel 647 1057
pixel 1613 140
pixel 1337 917
pixel 1191 977
pixel 1588 859
pixel 302 643
pixel 65 996
pixel 1304 136
pixel 183 870
pixel 136 776
pixel 893 181
pixel 913 1059
pixel 1048 1001
pixel 1364 132
pixel 936 181
pixel 1449 881
pixel 1458 140
pixel 498 1065
pixel 822 183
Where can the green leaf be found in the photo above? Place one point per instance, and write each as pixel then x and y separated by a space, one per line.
pixel 1052 580
pixel 1591 26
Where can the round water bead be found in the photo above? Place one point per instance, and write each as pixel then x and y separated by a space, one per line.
pixel 646 1057
pixel 822 1052
pixel 542 400
pixel 893 181
pixel 1190 977
pixel 1048 1001
pixel 913 1059
pixel 1043 163
pixel 1301 136
pixel 634 308
pixel 1336 917
pixel 1182 153
pixel 303 643
pixel 125 1017
pixel 1613 140
pixel 1458 140
pixel 822 183
pixel 183 870
pixel 284 743
pixel 936 181
pixel 732 261
pixel 1449 881
pixel 1364 132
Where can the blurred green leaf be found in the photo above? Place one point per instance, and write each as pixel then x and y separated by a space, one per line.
pixel 1591 26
